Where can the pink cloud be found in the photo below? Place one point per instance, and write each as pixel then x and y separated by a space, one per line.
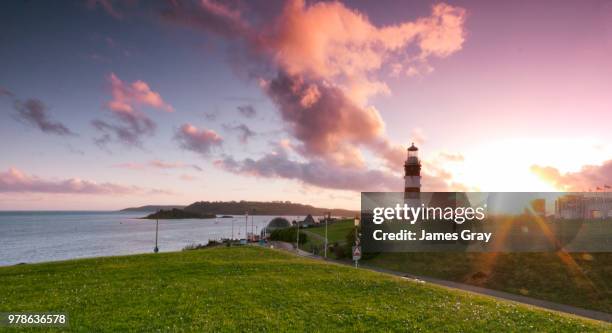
pixel 158 164
pixel 330 126
pixel 126 97
pixel 451 157
pixel 132 123
pixel 14 180
pixel 186 177
pixel 331 41
pixel 329 61
pixel 199 141
pixel 172 165
pixel 590 177
pixel 418 136
pixel 130 166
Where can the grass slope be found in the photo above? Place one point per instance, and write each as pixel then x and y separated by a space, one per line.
pixel 254 289
pixel 583 280
pixel 336 232
pixel 578 279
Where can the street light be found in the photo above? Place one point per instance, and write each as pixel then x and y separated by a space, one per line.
pixel 297 245
pixel 246 226
pixel 252 224
pixel 357 238
pixel 326 219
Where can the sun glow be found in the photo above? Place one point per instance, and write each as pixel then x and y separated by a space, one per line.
pixel 505 165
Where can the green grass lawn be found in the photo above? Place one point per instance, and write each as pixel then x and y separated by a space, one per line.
pixel 583 280
pixel 255 289
pixel 336 232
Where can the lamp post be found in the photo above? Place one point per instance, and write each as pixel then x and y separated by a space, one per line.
pixel 252 224
pixel 156 249
pixel 297 245
pixel 326 219
pixel 357 242
pixel 246 226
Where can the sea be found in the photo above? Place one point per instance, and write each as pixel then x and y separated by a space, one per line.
pixel 41 236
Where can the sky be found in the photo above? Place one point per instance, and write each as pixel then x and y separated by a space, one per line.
pixel 110 104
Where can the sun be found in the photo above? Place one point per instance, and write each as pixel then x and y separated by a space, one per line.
pixel 505 166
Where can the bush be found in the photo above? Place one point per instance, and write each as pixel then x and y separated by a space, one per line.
pixel 288 235
pixel 194 246
pixel 350 242
pixel 339 251
pixel 313 248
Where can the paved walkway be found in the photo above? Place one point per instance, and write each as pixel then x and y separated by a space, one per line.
pixel 591 314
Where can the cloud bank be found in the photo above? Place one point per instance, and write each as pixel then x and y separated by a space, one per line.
pixel 327 62
pixel 590 177
pixel 158 164
pixel 15 181
pixel 316 173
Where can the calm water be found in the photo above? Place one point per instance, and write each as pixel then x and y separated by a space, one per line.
pixel 49 236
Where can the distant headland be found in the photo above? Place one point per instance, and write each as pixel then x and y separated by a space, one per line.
pixel 210 208
pixel 152 208
pixel 175 213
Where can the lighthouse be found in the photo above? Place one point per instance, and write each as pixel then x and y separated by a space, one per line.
pixel 412 175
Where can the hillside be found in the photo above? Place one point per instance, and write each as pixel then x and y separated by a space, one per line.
pixel 586 283
pixel 175 213
pixel 262 208
pixel 151 208
pixel 256 289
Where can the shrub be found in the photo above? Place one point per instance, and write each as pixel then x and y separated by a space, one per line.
pixel 288 235
pixel 350 242
pixel 197 246
pixel 339 251
pixel 194 246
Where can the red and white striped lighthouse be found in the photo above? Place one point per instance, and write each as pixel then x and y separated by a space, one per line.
pixel 412 177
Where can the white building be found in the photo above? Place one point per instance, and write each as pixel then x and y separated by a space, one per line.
pixel 584 206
